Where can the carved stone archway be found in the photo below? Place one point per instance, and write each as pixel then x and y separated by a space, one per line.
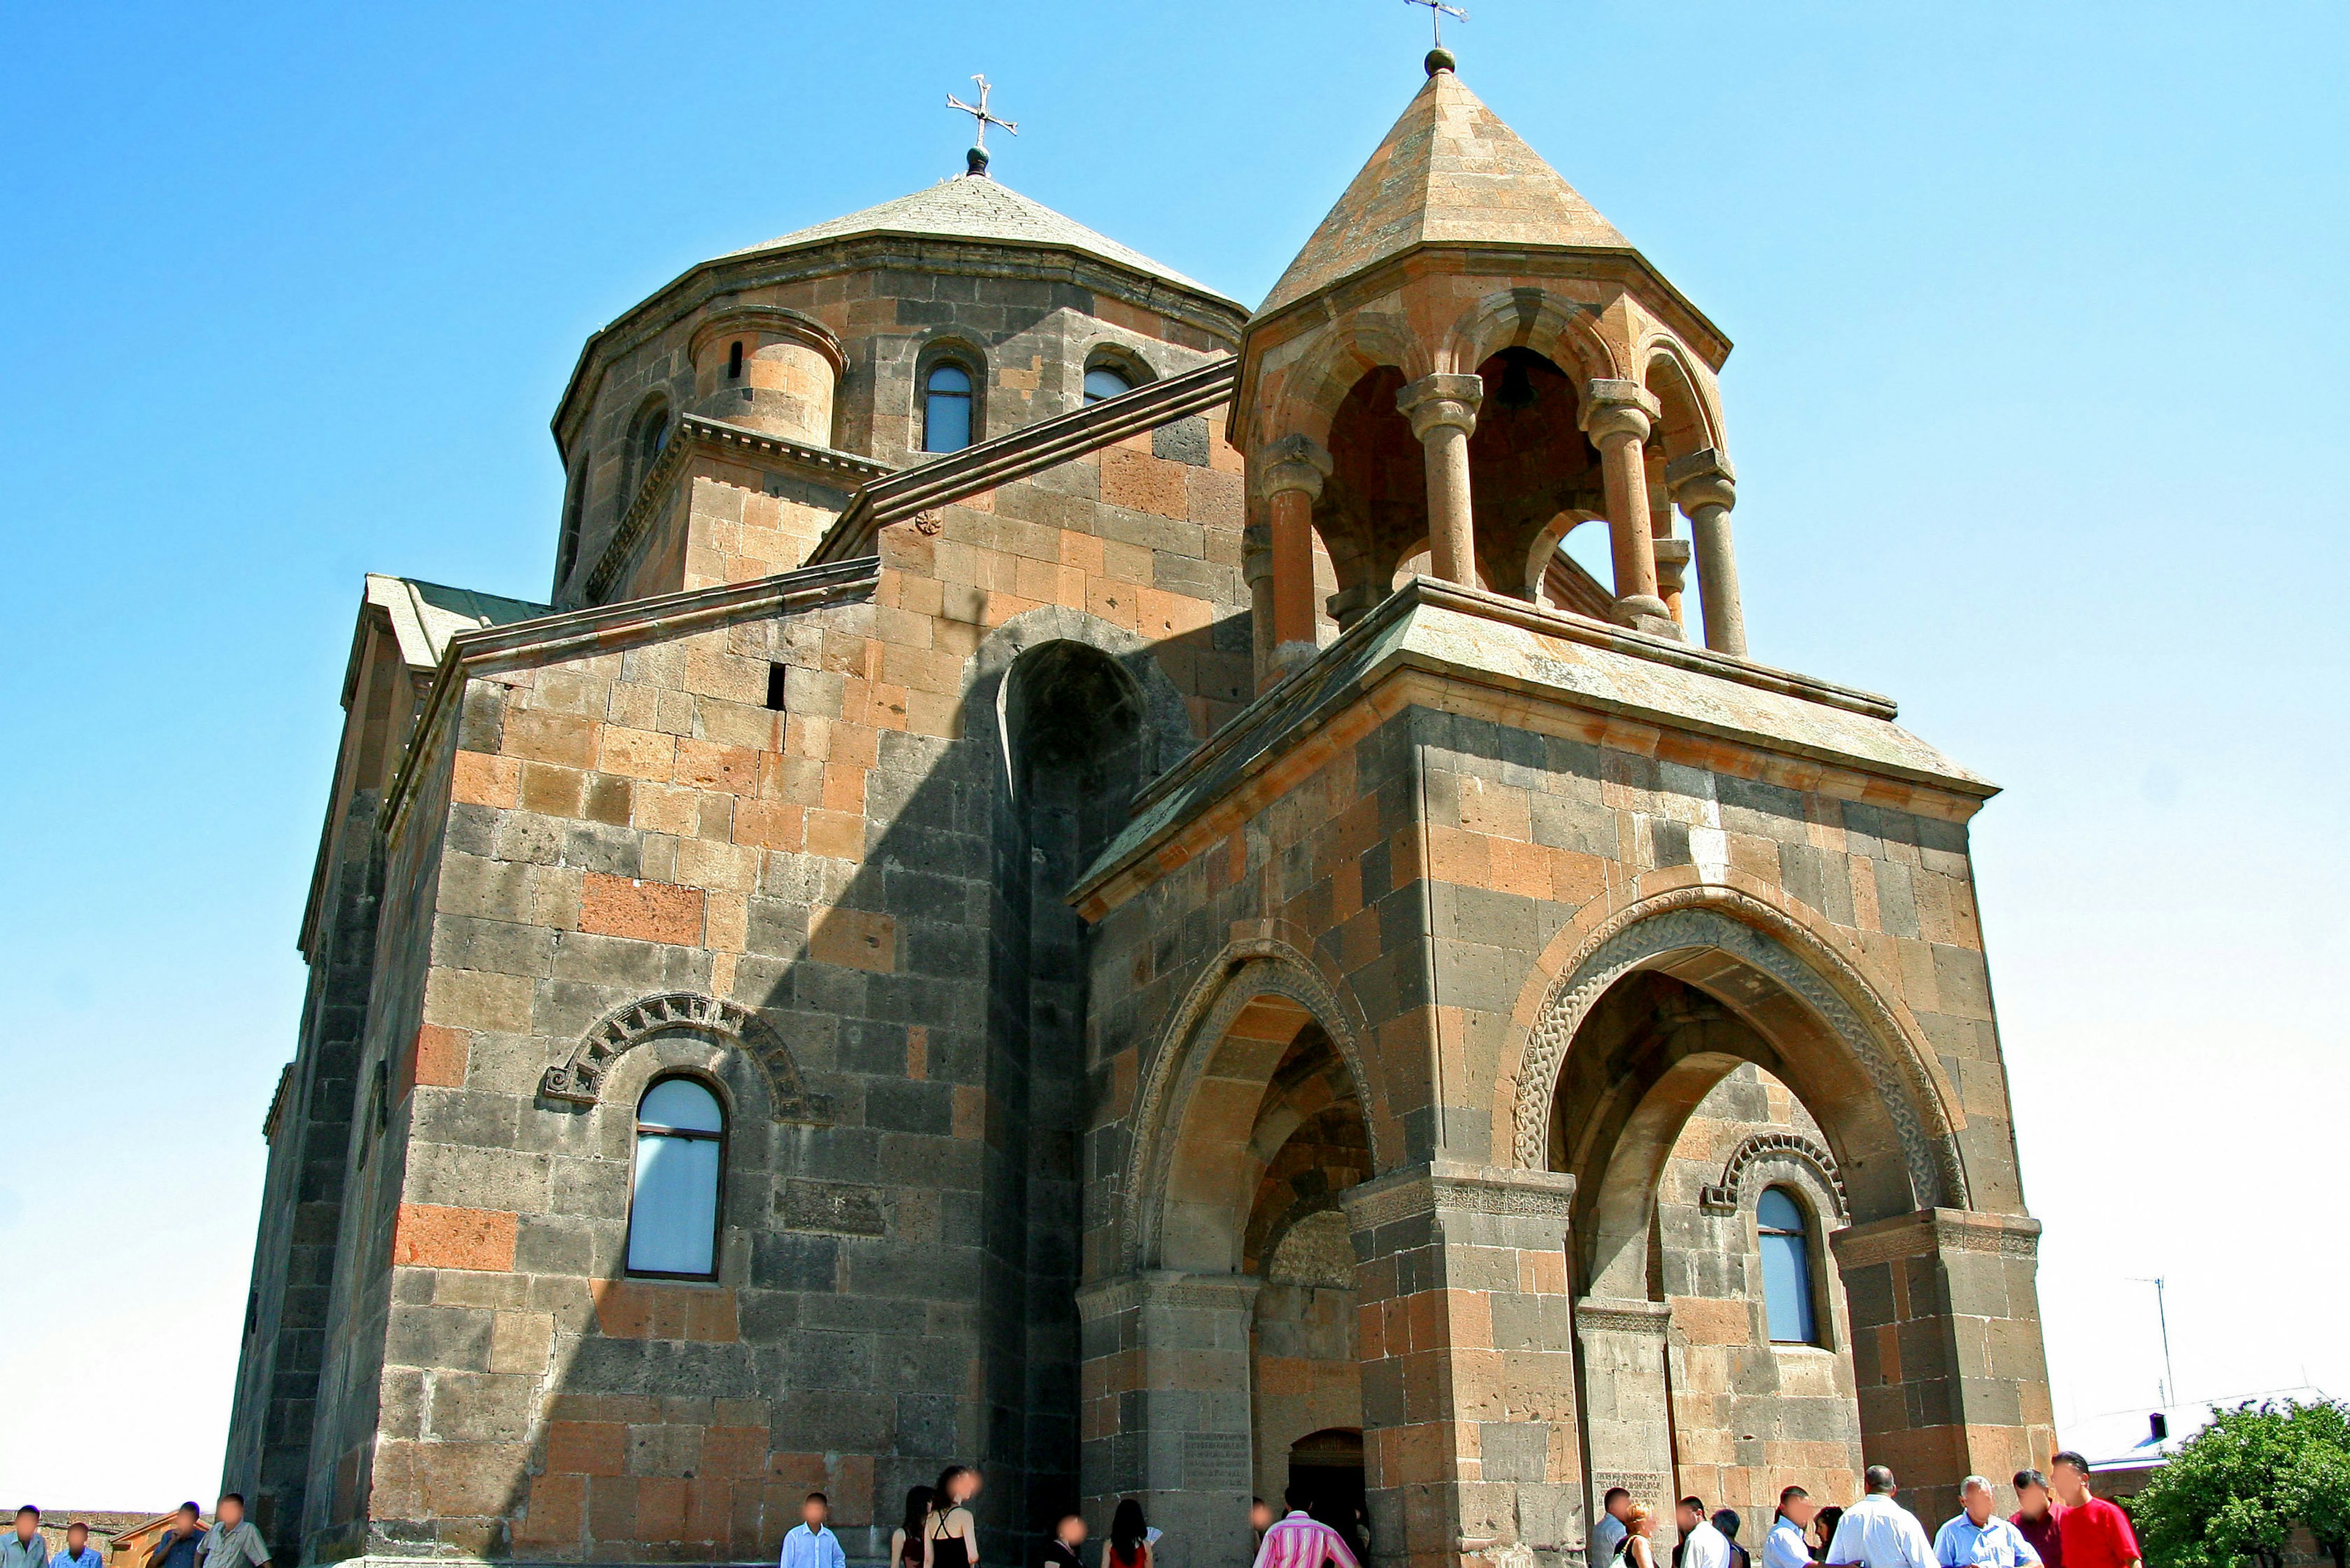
pixel 1767 942
pixel 579 1080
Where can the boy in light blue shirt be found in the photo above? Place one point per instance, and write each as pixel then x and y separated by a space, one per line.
pixel 812 1544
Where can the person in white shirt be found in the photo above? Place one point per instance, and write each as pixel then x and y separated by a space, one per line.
pixel 812 1544
pixel 1608 1532
pixel 1979 1538
pixel 1785 1547
pixel 1877 1533
pixel 1702 1546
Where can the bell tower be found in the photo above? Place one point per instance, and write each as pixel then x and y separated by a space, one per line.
pixel 1465 363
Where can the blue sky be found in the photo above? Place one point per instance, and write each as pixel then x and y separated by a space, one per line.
pixel 2036 405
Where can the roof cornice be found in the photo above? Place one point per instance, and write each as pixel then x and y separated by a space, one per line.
pixel 697 435
pixel 1205 310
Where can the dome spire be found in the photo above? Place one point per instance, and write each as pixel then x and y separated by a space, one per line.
pixel 975 161
pixel 1440 59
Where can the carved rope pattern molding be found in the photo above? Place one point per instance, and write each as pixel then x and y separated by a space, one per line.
pixel 1726 1196
pixel 579 1080
pixel 1378 1203
pixel 1942 1232
pixel 1695 918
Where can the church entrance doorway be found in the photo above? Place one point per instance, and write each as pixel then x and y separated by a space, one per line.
pixel 1326 1473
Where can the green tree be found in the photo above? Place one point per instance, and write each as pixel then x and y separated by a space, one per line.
pixel 2322 1446
pixel 2222 1497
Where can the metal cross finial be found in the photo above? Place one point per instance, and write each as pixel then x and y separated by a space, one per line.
pixel 981 114
pixel 1437 11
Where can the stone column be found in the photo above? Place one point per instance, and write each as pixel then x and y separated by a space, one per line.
pixel 1164 1409
pixel 1293 469
pixel 1617 416
pixel 1672 576
pixel 1945 1348
pixel 1443 414
pixel 1256 570
pixel 1468 1348
pixel 1705 487
pixel 1627 1403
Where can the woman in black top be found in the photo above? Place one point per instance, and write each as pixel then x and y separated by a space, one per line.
pixel 951 1533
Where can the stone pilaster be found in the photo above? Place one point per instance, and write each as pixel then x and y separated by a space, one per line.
pixel 1443 414
pixel 1164 1413
pixel 1946 1348
pixel 1627 1402
pixel 1467 1343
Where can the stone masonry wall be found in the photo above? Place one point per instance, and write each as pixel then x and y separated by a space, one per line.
pixel 640 823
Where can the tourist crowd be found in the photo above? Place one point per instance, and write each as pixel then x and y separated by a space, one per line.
pixel 2060 1524
pixel 229 1542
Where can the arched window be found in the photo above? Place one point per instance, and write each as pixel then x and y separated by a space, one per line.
pixel 1786 1268
pixel 674 1197
pixel 946 407
pixel 646 443
pixel 1106 381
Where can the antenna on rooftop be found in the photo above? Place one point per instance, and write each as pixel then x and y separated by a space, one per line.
pixel 2170 1380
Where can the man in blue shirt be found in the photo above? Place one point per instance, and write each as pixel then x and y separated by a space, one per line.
pixel 78 1553
pixel 1784 1547
pixel 1980 1538
pixel 811 1544
pixel 25 1546
pixel 176 1547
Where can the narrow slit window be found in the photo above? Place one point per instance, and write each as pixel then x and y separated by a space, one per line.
pixel 946 407
pixel 775 685
pixel 734 361
pixel 673 1193
pixel 1786 1268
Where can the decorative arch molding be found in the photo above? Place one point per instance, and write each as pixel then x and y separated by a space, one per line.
pixel 1344 353
pixel 1772 943
pixel 1562 330
pixel 1165 717
pixel 1244 971
pixel 1765 1150
pixel 579 1080
pixel 1659 348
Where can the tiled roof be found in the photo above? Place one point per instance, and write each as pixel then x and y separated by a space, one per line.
pixel 424 616
pixel 976 207
pixel 1448 170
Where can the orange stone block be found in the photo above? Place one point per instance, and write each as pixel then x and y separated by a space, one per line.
pixel 647 911
pixel 432 1236
pixel 440 1056
pixel 479 779
pixel 1141 482
pixel 854 939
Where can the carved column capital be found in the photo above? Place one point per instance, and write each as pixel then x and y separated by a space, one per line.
pixel 1702 478
pixel 1616 411
pixel 1435 402
pixel 1292 462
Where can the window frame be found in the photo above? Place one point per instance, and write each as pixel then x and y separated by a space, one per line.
pixel 649 437
pixel 1806 1234
pixel 723 1137
pixel 961 357
pixel 1125 362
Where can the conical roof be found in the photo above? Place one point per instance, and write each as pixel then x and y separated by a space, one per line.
pixel 1449 170
pixel 977 207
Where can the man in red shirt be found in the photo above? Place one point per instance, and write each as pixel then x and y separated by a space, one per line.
pixel 2035 1521
pixel 2096 1534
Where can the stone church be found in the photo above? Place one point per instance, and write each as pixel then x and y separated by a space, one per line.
pixel 1072 879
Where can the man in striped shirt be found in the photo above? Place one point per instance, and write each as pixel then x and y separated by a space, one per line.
pixel 1302 1541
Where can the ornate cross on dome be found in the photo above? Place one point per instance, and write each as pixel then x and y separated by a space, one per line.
pixel 1437 11
pixel 977 157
